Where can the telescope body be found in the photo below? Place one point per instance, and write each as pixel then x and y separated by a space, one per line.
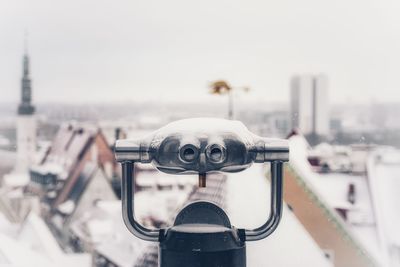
pixel 202 235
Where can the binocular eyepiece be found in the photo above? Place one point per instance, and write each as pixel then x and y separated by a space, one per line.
pixel 202 146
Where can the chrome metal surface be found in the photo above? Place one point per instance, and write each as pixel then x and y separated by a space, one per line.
pixel 276 205
pixel 128 212
pixel 201 146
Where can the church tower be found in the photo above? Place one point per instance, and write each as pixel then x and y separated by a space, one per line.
pixel 26 123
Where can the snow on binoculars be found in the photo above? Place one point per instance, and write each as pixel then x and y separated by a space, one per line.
pixel 202 234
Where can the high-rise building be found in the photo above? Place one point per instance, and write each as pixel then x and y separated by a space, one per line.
pixel 26 123
pixel 309 104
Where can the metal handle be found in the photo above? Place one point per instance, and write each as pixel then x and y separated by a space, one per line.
pixel 128 210
pixel 276 205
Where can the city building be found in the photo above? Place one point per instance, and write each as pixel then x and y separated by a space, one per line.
pixel 309 105
pixel 77 170
pixel 340 207
pixel 26 124
pixel 26 131
pixel 75 147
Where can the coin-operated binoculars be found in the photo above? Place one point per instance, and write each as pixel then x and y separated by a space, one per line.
pixel 202 235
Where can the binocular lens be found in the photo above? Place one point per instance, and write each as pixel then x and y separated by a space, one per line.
pixel 189 154
pixel 216 154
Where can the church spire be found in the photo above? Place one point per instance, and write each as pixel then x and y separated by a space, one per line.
pixel 25 107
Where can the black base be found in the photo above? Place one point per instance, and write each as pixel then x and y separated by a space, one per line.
pixel 228 258
pixel 202 236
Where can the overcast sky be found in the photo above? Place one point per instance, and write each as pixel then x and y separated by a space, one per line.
pixel 107 50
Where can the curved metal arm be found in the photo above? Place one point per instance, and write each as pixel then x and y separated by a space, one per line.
pixel 276 205
pixel 128 211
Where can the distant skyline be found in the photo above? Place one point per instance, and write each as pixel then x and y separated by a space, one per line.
pixel 108 51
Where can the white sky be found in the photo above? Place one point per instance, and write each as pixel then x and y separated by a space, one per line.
pixel 104 50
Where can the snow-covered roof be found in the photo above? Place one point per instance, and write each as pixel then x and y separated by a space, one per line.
pixel 109 234
pixel 35 233
pixel 332 189
pixel 248 195
pixel 31 243
pixel 74 193
pixel 159 204
pixel 14 253
pixel 106 230
pixel 123 248
pixel 152 177
pixel 4 141
pixel 324 148
pixel 16 179
pixel 66 147
pixel 67 207
pixel 7 158
pixel 384 175
pixel 7 227
pixel 50 167
pixel 17 253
